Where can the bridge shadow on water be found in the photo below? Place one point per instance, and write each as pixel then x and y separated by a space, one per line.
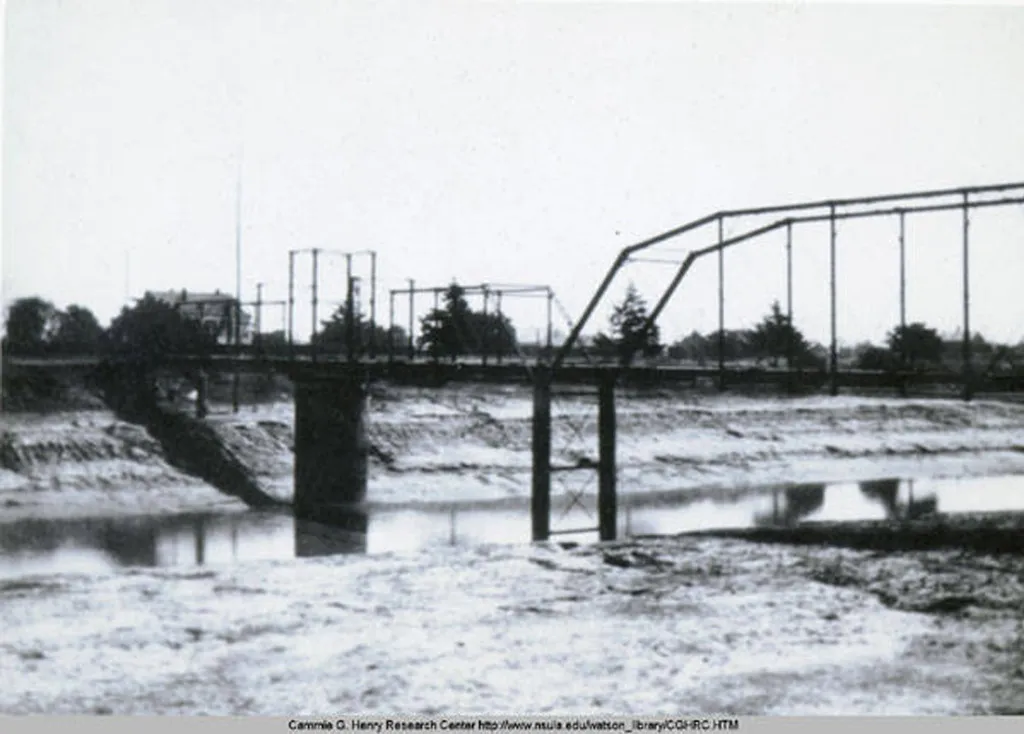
pixel 102 544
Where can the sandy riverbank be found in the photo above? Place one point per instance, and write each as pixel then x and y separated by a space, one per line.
pixel 661 625
pixel 472 444
pixel 656 626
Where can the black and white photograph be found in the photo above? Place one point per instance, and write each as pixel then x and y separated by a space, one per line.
pixel 512 359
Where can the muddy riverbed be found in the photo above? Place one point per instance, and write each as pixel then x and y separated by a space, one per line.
pixel 750 624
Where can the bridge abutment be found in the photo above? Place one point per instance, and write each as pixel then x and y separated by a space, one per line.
pixel 331 444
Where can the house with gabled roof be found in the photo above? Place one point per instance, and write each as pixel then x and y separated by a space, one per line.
pixel 214 311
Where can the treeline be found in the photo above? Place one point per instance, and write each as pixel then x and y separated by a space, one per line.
pixel 34 327
pixel 775 342
pixel 916 347
pixel 151 328
pixel 453 329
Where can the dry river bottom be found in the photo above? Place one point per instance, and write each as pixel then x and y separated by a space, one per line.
pixel 673 625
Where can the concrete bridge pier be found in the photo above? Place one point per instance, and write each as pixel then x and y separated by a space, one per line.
pixel 331 444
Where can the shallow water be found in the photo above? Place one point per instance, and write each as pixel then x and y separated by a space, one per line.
pixel 39 547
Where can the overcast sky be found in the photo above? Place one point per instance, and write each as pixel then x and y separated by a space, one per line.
pixel 500 142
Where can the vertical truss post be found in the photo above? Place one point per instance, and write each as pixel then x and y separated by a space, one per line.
pixel 540 497
pixel 501 324
pixel 412 290
pixel 373 305
pixel 350 327
pixel 236 378
pixel 291 301
pixel 903 294
pixel 967 367
pixel 903 270
pixel 258 334
pixel 391 326
pixel 606 490
pixel 789 297
pixel 833 351
pixel 550 348
pixel 721 306
pixel 237 339
pixel 313 304
pixel 484 341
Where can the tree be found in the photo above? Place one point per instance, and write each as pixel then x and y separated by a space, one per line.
pixel 445 330
pixel 775 337
pixel 456 329
pixel 915 345
pixel 627 322
pixel 870 357
pixel 273 342
pixel 30 325
pixel 334 336
pixel 78 332
pixel 495 332
pixel 152 329
pixel 734 343
pixel 694 348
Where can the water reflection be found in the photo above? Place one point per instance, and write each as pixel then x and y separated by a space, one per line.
pixel 36 546
pixel 794 504
pixel 314 538
pixel 886 492
pixel 899 500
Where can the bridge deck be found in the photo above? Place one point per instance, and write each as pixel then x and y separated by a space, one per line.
pixel 513 372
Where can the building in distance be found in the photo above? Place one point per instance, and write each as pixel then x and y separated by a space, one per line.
pixel 214 311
